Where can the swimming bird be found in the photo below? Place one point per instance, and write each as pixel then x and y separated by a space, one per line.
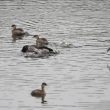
pixel 42 40
pixel 40 92
pixel 37 52
pixel 17 33
pixel 34 48
pixel 29 48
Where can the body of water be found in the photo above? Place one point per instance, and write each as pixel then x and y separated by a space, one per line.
pixel 78 78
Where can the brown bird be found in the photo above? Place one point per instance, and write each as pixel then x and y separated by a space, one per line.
pixel 40 92
pixel 40 41
pixel 17 33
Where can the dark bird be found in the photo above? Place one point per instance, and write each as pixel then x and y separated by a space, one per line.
pixel 42 40
pixel 36 49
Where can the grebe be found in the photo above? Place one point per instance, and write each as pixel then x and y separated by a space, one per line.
pixel 40 40
pixel 40 92
pixel 17 33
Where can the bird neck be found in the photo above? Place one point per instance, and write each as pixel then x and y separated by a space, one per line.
pixel 42 87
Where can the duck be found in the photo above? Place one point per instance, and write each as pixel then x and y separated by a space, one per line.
pixel 41 40
pixel 40 92
pixel 34 48
pixel 17 33
pixel 28 48
pixel 37 52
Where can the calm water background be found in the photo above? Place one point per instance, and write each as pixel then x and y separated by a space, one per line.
pixel 79 77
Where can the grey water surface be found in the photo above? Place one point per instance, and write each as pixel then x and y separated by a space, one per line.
pixel 78 78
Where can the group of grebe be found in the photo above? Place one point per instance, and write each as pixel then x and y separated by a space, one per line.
pixel 39 49
pixel 19 33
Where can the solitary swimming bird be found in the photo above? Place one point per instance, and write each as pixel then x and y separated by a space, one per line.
pixel 17 33
pixel 40 40
pixel 40 92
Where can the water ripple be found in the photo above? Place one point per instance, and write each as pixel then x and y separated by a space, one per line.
pixel 78 77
